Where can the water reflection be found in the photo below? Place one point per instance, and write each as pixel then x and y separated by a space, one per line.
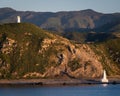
pixel 104 85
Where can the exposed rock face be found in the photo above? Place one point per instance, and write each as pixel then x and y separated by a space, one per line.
pixel 88 61
pixel 40 54
pixel 88 64
pixel 8 46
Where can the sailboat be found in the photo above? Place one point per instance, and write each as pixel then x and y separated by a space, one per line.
pixel 104 79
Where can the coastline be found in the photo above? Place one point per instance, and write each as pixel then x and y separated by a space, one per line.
pixel 58 82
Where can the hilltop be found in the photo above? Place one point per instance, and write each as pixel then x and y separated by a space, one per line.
pixel 30 52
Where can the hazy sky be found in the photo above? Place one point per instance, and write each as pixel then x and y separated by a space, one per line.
pixel 105 6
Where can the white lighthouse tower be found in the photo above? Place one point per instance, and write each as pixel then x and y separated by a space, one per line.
pixel 18 19
pixel 104 79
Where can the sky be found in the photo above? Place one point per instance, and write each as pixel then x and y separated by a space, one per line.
pixel 104 6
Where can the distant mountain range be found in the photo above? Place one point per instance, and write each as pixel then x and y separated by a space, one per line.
pixel 67 21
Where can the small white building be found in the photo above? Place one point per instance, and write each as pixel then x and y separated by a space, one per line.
pixel 18 19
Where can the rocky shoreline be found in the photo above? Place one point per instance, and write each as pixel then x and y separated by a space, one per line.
pixel 52 82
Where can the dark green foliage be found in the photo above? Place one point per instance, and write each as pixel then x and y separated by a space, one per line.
pixel 24 56
pixel 109 52
pixel 104 33
pixel 87 63
pixel 17 31
pixel 98 37
pixel 80 37
pixel 2 39
pixel 84 37
pixel 113 50
pixel 74 64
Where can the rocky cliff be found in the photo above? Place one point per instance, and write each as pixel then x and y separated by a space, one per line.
pixel 26 51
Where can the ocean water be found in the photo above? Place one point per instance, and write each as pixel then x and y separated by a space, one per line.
pixel 82 90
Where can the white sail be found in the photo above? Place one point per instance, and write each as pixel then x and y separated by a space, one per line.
pixel 104 79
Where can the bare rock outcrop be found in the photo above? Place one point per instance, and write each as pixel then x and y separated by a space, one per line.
pixel 88 62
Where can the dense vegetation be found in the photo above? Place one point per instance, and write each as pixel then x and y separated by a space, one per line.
pixel 23 55
pixel 84 37
pixel 113 50
pixel 109 52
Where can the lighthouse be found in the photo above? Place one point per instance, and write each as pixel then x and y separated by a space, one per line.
pixel 18 19
pixel 104 79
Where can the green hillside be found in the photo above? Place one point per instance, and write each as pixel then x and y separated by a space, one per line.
pixel 109 52
pixel 26 51
pixel 20 44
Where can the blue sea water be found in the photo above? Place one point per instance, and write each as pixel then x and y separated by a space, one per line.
pixel 86 90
